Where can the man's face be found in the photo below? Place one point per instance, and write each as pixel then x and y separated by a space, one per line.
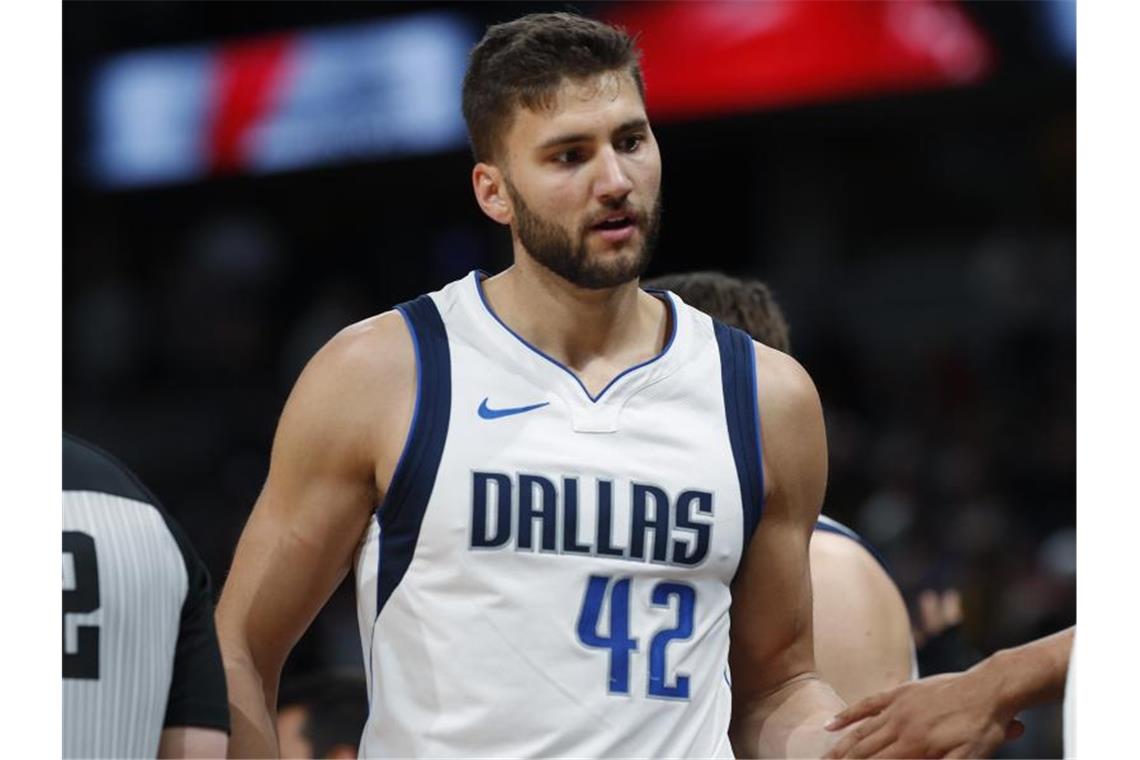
pixel 584 179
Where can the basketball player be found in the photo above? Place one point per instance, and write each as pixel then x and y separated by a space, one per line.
pixel 555 487
pixel 862 633
pixel 968 714
pixel 142 675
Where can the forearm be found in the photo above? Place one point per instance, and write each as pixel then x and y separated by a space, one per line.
pixel 1030 674
pixel 191 741
pixel 787 721
pixel 253 731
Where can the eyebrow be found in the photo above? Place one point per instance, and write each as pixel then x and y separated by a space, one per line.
pixel 629 126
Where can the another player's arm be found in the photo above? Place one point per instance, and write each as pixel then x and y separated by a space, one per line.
pixel 1034 673
pixel 780 704
pixel 347 414
pixel 968 714
pixel 861 626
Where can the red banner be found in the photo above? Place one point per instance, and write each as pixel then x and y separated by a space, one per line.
pixel 703 58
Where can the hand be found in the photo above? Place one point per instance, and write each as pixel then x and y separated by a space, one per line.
pixel 952 715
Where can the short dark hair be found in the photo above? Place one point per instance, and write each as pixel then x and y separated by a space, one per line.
pixel 336 707
pixel 523 62
pixel 744 303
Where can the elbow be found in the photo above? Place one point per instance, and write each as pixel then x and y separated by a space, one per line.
pixel 247 651
pixel 240 663
pixel 234 646
pixel 752 707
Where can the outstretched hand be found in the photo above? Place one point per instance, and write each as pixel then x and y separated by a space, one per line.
pixel 950 715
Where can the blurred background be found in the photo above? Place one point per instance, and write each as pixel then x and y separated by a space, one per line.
pixel 241 180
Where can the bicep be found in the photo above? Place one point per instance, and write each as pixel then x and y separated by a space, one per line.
pixel 861 626
pixel 320 492
pixel 772 595
pixel 771 609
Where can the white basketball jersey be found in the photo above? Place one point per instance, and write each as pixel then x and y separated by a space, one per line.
pixel 549 573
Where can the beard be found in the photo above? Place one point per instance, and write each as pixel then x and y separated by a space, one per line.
pixel 551 246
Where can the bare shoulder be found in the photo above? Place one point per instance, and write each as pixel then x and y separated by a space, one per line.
pixel 845 564
pixel 845 560
pixel 354 398
pixel 793 440
pixel 785 387
pixel 375 349
pixel 837 551
pixel 862 629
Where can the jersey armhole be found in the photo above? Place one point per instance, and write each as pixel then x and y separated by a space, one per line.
pixel 388 502
pixel 742 416
pixel 401 512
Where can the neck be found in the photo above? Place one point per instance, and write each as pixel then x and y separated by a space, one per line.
pixel 577 325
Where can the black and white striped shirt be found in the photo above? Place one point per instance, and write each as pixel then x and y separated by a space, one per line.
pixel 140 652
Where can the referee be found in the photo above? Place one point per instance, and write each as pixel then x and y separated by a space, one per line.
pixel 142 675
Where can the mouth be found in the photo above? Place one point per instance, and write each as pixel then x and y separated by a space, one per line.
pixel 616 227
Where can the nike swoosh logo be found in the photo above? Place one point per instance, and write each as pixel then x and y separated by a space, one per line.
pixel 488 413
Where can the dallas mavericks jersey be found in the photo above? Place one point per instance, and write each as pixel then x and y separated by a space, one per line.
pixel 549 572
pixel 139 648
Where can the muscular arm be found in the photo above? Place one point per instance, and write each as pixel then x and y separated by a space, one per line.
pixel 780 704
pixel 1031 674
pixel 339 435
pixel 861 626
pixel 966 714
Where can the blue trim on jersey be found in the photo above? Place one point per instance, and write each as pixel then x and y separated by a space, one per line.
pixel 741 411
pixel 408 439
pixel 372 630
pixel 402 511
pixel 834 526
pixel 480 275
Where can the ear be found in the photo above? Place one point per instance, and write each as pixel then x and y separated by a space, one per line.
pixel 491 192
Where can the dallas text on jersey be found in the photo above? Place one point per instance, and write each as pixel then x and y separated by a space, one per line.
pixel 536 513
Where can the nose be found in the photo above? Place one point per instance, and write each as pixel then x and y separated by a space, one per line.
pixel 612 183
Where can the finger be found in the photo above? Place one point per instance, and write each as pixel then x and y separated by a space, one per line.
pixel 864 708
pixel 964 751
pixel 854 736
pixel 881 743
pixel 849 740
pixel 951 607
pixel 986 743
pixel 1014 730
pixel 930 611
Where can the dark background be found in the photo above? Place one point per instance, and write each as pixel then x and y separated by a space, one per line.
pixel 921 244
